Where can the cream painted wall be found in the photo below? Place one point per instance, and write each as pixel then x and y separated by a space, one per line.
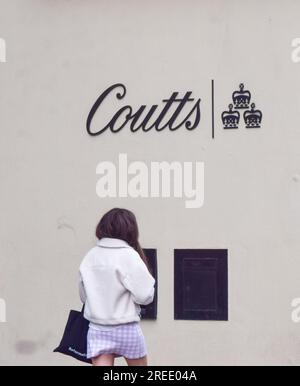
pixel 60 56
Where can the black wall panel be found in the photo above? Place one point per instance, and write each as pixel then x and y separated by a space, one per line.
pixel 201 284
pixel 150 311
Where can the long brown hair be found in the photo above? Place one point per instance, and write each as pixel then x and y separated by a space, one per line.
pixel 121 224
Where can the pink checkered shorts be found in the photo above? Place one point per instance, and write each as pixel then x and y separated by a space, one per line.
pixel 125 340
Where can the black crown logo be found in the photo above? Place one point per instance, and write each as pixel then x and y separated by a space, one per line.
pixel 252 117
pixel 230 118
pixel 241 98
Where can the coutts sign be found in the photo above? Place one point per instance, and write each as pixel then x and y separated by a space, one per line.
pixel 175 112
pixel 143 118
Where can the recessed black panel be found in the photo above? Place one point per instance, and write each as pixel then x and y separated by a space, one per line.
pixel 150 310
pixel 201 284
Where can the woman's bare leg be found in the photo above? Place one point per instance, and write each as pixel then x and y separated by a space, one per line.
pixel 104 360
pixel 137 362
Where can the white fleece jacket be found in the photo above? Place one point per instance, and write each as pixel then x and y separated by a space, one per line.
pixel 114 281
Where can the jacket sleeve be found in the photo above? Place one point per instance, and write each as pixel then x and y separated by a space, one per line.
pixel 82 293
pixel 137 279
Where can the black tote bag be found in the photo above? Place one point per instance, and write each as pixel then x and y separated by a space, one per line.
pixel 74 340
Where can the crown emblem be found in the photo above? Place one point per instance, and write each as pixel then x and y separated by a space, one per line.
pixel 230 118
pixel 252 117
pixel 241 98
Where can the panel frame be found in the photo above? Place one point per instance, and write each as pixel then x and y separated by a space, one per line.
pixel 221 255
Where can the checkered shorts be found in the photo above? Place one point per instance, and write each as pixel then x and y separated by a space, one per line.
pixel 123 340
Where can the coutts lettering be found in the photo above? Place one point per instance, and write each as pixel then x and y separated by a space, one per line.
pixel 140 119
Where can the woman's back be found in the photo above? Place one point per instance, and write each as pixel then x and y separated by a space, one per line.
pixel 114 281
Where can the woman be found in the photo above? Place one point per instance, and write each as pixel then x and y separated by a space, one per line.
pixel 114 282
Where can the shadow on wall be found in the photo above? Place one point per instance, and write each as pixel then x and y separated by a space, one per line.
pixel 29 347
pixel 26 347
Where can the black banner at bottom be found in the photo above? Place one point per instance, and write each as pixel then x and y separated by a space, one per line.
pixel 106 374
